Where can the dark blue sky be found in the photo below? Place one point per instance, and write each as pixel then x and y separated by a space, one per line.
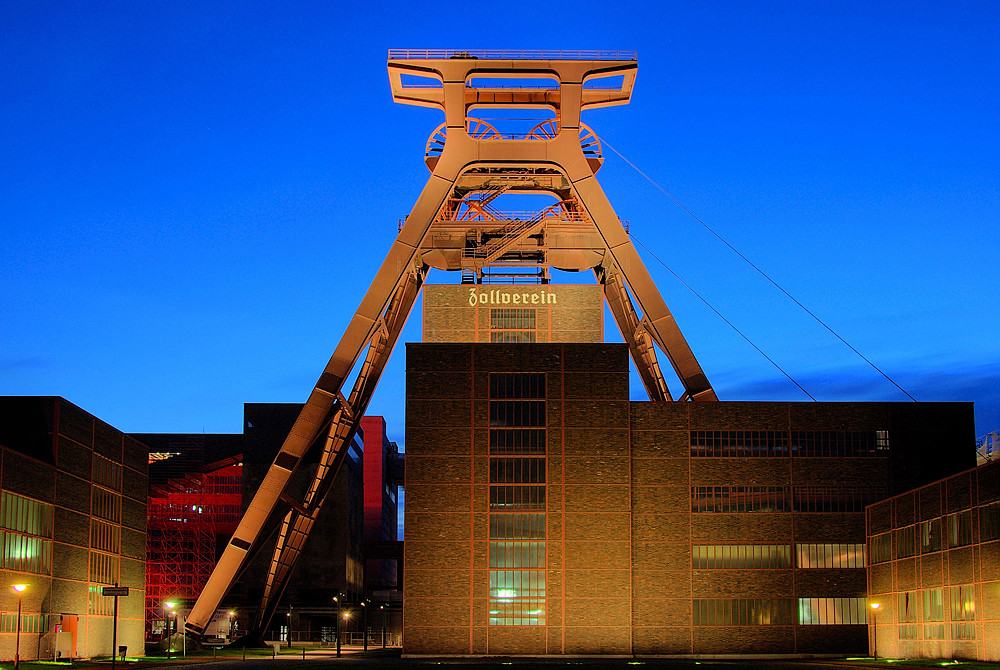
pixel 195 196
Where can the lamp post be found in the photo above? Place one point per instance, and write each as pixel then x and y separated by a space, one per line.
pixel 17 644
pixel 364 624
pixel 168 610
pixel 336 599
pixel 382 607
pixel 231 622
pixel 347 621
pixel 875 607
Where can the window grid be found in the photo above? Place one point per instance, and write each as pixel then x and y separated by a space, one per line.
pixel 839 443
pixel 741 556
pixel 728 443
pixel 104 567
pixel 930 536
pixel 835 498
pixel 105 536
pixel 832 611
pixel 23 553
pixel 738 499
pixel 989 522
pixel 880 548
pixel 106 505
pixel 517 498
pixel 107 473
pixel 512 336
pixel 830 555
pixel 25 515
pixel 742 611
pixel 906 541
pixel 512 319
pixel 30 623
pixel 960 528
pixel 98 604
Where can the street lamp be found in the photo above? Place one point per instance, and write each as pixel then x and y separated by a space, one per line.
pixel 382 607
pixel 17 645
pixel 336 599
pixel 364 625
pixel 232 620
pixel 875 607
pixel 168 611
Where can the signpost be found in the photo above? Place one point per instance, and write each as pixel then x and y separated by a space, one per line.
pixel 115 591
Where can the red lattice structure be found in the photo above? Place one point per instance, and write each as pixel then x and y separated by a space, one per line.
pixel 184 520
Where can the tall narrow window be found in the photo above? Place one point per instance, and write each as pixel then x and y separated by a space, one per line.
pixel 517 498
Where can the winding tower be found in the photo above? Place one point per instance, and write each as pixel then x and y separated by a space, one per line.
pixel 455 225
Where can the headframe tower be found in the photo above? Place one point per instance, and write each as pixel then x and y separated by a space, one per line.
pixel 454 226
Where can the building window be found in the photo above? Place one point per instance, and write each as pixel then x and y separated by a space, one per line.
pixel 906 541
pixel 25 515
pixel 933 604
pixel 831 611
pixel 517 499
pixel 105 536
pixel 742 611
pixel 930 536
pixel 906 607
pixel 741 556
pixel 727 443
pixel 909 632
pixel 512 336
pixel 23 553
pixel 98 604
pixel 880 549
pixel 107 473
pixel 104 568
pixel 934 631
pixel 512 319
pixel 830 555
pixel 960 529
pixel 106 505
pixel 963 603
pixel 839 443
pixel 728 499
pixel 30 623
pixel 989 522
pixel 835 498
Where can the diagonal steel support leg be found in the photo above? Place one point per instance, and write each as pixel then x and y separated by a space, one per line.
pixel 299 520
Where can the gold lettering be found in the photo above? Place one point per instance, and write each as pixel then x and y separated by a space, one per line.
pixel 517 298
pixel 534 299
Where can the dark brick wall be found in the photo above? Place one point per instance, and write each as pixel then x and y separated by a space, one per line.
pixel 618 519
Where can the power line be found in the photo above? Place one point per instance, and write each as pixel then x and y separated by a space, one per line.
pixel 759 271
pixel 719 314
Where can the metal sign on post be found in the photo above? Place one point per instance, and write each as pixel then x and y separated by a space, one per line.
pixel 115 591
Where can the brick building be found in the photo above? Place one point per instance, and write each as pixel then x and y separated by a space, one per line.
pixel 934 569
pixel 72 521
pixel 548 514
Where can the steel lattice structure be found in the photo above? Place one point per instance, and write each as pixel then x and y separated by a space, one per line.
pixel 454 226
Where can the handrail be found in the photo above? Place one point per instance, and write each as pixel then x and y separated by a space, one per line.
pixel 511 54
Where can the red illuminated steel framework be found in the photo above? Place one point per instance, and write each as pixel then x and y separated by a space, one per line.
pixel 455 225
pixel 185 518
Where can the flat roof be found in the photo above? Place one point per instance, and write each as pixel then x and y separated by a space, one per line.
pixel 511 54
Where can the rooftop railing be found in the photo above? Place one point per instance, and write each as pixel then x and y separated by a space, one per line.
pixel 510 54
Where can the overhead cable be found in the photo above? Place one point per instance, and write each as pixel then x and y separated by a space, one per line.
pixel 759 271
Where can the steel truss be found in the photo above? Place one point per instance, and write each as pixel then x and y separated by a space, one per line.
pixel 454 226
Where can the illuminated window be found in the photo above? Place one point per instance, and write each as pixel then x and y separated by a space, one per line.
pixel 741 556
pixel 831 611
pixel 906 541
pixel 930 536
pixel 742 611
pixel 23 553
pixel 25 515
pixel 104 568
pixel 30 623
pixel 909 632
pixel 960 529
pixel 830 555
pixel 880 549
pixel 105 536
pixel 907 606
pixel 517 499
pixel 98 604
pixel 737 499
pixel 933 600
